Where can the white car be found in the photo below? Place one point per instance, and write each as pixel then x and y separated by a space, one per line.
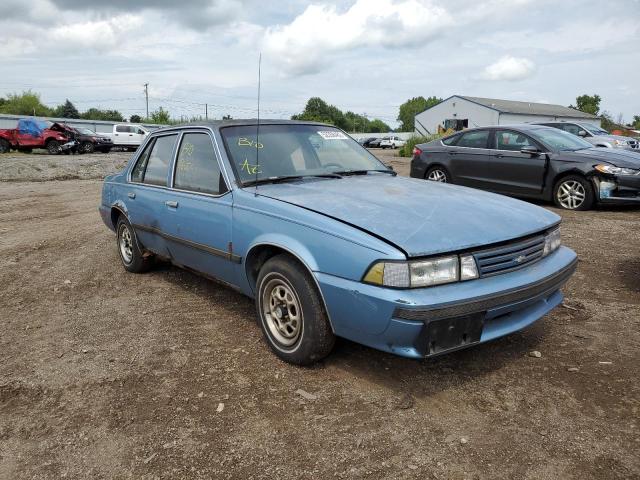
pixel 127 135
pixel 391 142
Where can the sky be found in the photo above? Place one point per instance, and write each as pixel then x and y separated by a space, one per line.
pixel 367 56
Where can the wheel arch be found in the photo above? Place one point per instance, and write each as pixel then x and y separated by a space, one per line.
pixel 261 251
pixel 437 163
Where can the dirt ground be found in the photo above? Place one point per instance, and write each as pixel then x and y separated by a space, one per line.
pixel 106 374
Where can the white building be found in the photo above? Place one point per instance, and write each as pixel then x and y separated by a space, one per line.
pixel 458 112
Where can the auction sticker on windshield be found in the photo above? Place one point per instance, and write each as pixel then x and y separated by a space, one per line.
pixel 332 135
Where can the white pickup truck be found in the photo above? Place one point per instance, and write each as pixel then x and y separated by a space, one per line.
pixel 127 135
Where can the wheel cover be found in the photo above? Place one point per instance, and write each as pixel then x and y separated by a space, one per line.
pixel 571 194
pixel 437 175
pixel 281 312
pixel 125 242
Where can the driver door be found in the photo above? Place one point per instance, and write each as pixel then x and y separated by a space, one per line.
pixel 514 172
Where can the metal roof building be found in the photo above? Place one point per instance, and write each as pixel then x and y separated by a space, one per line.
pixel 458 112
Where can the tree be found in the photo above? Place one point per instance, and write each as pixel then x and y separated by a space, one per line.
pixel 135 119
pixel 378 126
pixel 636 122
pixel 588 104
pixel 26 103
pixel 412 107
pixel 98 114
pixel 227 117
pixel 317 110
pixel 67 110
pixel 160 116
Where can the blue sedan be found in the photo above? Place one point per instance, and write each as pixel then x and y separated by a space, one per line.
pixel 330 242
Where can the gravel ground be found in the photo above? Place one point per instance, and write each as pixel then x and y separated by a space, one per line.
pixel 106 374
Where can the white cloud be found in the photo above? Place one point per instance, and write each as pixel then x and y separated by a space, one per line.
pixel 101 35
pixel 509 68
pixel 321 31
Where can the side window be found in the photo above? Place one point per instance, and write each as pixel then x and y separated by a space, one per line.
pixel 509 140
pixel 159 160
pixel 138 171
pixel 197 168
pixel 122 129
pixel 571 128
pixel 474 139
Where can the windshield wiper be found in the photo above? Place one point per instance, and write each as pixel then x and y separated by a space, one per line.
pixel 287 178
pixel 365 172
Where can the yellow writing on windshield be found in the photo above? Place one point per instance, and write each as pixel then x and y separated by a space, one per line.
pixel 245 142
pixel 249 168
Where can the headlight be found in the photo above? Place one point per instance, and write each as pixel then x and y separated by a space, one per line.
pixel 422 273
pixel 616 170
pixel 551 242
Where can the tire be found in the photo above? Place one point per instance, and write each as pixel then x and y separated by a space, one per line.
pixel 53 147
pixel 438 173
pixel 5 147
pixel 86 147
pixel 573 193
pixel 291 313
pixel 130 254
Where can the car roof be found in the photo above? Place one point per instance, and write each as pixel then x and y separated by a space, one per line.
pixel 247 121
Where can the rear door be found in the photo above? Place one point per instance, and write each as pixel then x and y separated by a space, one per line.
pixel 198 210
pixel 469 159
pixel 123 134
pixel 147 191
pixel 512 171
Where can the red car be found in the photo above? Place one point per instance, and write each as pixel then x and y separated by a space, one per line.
pixel 32 134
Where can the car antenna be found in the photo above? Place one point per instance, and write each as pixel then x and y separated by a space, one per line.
pixel 258 128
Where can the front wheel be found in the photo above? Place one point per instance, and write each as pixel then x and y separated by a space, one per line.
pixel 86 147
pixel 53 147
pixel 437 174
pixel 291 313
pixel 573 193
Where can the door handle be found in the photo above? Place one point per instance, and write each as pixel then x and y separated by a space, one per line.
pixel 171 204
pixel 131 195
pixel 499 155
pixel 452 153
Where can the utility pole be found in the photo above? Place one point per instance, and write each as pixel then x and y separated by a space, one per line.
pixel 206 111
pixel 146 94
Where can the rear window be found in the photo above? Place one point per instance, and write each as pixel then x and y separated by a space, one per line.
pixel 451 140
pixel 475 139
pixel 123 129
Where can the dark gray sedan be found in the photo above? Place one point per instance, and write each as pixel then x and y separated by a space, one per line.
pixel 532 161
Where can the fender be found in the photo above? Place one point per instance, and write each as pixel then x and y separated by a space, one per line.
pixel 297 250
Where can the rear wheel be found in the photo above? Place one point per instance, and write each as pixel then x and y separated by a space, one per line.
pixel 132 257
pixel 53 147
pixel 437 174
pixel 4 146
pixel 573 193
pixel 291 313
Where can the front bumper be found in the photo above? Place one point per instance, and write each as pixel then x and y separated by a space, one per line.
pixel 619 189
pixel 429 321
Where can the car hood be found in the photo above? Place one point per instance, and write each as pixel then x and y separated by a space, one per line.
pixel 615 156
pixel 418 217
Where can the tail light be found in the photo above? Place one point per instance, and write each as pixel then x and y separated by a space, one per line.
pixel 416 152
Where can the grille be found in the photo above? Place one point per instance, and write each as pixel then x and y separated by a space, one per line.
pixel 512 256
pixel 633 144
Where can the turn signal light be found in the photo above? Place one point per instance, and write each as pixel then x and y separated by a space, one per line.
pixel 416 152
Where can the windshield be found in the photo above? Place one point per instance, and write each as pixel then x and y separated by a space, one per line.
pixel 595 130
pixel 294 150
pixel 559 140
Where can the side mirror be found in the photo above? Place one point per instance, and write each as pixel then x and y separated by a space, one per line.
pixel 533 151
pixel 582 133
